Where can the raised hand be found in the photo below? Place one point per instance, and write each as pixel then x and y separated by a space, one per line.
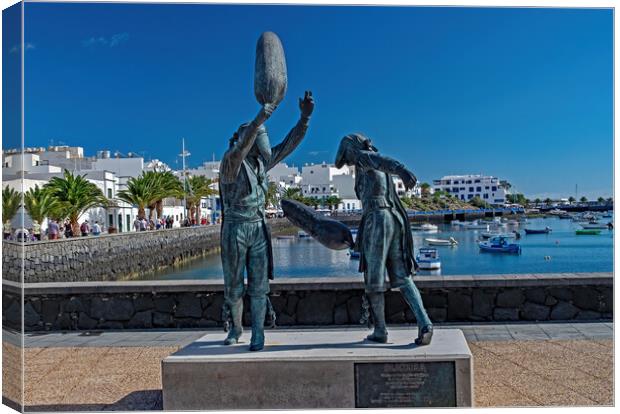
pixel 306 105
pixel 265 112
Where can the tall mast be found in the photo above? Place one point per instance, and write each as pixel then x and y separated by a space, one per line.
pixel 184 154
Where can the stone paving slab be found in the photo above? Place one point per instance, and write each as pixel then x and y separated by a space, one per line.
pixel 473 332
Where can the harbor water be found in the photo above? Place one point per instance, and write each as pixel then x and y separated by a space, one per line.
pixel 560 251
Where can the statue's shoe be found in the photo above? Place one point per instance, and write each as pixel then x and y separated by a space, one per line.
pixel 257 342
pixel 233 336
pixel 425 335
pixel 378 336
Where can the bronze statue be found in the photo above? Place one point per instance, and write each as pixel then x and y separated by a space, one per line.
pixel 384 237
pixel 245 239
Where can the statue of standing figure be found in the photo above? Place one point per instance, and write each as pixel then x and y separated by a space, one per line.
pixel 384 238
pixel 245 237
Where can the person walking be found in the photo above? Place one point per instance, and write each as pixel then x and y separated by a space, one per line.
pixel 85 228
pixel 136 224
pixel 53 230
pixel 96 229
pixel 68 229
pixel 36 230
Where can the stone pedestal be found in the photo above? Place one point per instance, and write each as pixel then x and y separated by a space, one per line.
pixel 320 369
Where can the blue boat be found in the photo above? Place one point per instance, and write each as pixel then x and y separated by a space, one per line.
pixel 499 244
pixel 428 259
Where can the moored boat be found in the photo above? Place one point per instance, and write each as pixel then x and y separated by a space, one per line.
pixel 285 237
pixel 426 227
pixel 476 225
pixel 594 226
pixel 499 244
pixel 442 242
pixel 489 234
pixel 582 232
pixel 353 254
pixel 428 259
pixel 538 231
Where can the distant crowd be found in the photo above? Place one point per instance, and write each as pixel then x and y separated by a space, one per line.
pixel 59 230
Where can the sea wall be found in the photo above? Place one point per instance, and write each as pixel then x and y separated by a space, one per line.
pixel 112 256
pixel 299 302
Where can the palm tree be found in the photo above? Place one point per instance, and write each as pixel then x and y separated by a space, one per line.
pixel 199 186
pixel 583 199
pixel 139 193
pixel 537 201
pixel 292 193
pixel 11 201
pixel 601 200
pixel 39 204
pixel 571 199
pixel 75 194
pixel 332 202
pixel 548 200
pixel 272 196
pixel 164 184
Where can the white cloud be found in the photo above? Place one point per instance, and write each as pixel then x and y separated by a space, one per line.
pixel 112 41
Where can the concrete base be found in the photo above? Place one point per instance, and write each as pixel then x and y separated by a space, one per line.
pixel 320 369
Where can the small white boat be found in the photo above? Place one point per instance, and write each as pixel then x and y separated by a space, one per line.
pixel 594 226
pixel 353 254
pixel 512 222
pixel 458 223
pixel 428 259
pixel 285 237
pixel 426 227
pixel 302 234
pixel 442 242
pixel 477 225
pixel 489 234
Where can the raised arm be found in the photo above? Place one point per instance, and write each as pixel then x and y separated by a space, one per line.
pixel 233 158
pixel 374 160
pixel 296 135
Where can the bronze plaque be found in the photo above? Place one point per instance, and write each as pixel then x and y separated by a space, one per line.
pixel 405 384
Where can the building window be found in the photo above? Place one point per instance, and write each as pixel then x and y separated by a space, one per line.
pixel 471 189
pixel 109 193
pixel 128 222
pixel 110 220
pixel 477 181
pixel 486 195
pixel 120 223
pixel 494 188
pixel 486 187
pixel 470 196
pixel 468 181
pixel 462 196
pixel 478 189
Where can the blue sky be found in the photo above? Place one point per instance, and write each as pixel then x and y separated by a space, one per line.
pixel 524 94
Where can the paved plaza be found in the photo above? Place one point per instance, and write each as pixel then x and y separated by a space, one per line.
pixel 514 365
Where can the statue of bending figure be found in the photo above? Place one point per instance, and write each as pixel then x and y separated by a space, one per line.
pixel 384 237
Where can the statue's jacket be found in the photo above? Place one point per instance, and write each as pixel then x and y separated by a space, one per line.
pixel 243 189
pixel 376 190
pixel 243 201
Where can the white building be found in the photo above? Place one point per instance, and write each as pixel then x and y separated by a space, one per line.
pixel 210 169
pixel 466 187
pixel 285 176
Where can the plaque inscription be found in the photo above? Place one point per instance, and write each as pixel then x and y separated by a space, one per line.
pixel 405 384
